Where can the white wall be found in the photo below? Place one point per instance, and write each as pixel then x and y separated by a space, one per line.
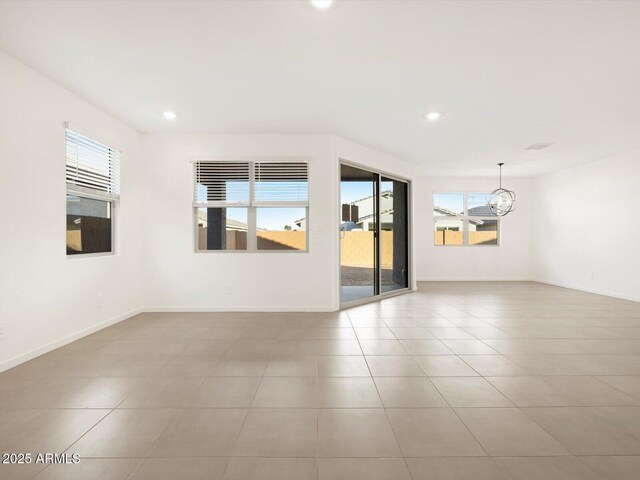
pixel 510 261
pixel 46 297
pixel 180 279
pixel 354 152
pixel 587 232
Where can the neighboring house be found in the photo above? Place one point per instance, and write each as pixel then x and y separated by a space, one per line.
pixel 365 220
pixel 231 223
pixel 481 211
pixel 478 224
pixel 450 220
pixel 301 223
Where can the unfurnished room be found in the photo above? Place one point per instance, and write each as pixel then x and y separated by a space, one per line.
pixel 319 240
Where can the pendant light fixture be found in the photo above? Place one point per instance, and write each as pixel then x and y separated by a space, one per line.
pixel 501 201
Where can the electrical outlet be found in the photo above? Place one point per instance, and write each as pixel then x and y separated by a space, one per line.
pixel 3 328
pixel 228 289
pixel 99 302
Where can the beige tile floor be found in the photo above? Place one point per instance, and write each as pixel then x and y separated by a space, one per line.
pixel 456 381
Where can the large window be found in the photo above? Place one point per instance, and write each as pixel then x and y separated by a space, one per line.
pixel 251 206
pixel 93 189
pixel 464 219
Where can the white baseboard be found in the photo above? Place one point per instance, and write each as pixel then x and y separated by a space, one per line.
pixel 590 290
pixel 241 309
pixel 477 279
pixel 12 362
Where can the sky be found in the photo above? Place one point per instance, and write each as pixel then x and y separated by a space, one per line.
pixel 270 218
pixel 450 201
pixel 277 218
pixel 352 191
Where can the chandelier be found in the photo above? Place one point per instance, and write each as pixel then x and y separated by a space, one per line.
pixel 501 201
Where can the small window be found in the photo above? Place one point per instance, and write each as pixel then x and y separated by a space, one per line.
pixel 449 231
pixel 483 232
pixel 222 228
pixel 281 229
pixel 222 183
pixel 464 219
pixel 280 183
pixel 93 188
pixel 448 204
pixel 89 228
pixel 477 205
pixel 251 206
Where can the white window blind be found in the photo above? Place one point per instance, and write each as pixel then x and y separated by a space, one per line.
pixel 219 183
pixel 235 183
pixel 92 167
pixel 281 183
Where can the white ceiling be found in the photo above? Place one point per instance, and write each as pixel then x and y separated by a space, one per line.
pixel 506 74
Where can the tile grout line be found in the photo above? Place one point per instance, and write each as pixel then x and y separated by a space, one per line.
pixel 100 421
pixel 248 412
pixel 386 414
pixel 169 424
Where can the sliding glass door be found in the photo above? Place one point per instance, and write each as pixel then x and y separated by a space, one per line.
pixel 358 239
pixel 394 235
pixel 374 253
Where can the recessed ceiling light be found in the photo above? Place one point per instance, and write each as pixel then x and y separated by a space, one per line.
pixel 322 4
pixel 433 115
pixel 169 115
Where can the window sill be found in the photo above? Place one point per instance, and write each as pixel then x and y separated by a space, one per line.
pixel 92 255
pixel 287 252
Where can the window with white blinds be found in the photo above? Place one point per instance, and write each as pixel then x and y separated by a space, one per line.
pixel 92 167
pixel 93 190
pixel 251 206
pixel 267 183
pixel 281 183
pixel 221 183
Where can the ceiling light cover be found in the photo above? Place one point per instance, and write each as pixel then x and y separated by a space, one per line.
pixel 322 4
pixel 433 115
pixel 169 115
pixel 501 201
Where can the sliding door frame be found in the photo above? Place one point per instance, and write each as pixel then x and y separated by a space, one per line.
pixel 378 294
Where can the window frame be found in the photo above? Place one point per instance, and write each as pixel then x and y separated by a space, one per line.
pixel 466 218
pixel 251 206
pixel 85 192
